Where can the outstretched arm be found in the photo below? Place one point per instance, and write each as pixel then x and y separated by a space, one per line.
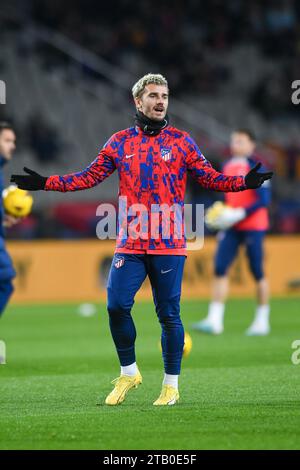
pixel 102 167
pixel 95 173
pixel 209 178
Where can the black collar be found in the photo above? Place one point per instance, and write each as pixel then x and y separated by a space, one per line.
pixel 149 126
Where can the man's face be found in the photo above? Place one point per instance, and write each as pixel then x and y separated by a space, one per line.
pixel 7 143
pixel 241 145
pixel 154 101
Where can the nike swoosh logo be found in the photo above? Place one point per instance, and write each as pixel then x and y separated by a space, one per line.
pixel 129 156
pixel 164 272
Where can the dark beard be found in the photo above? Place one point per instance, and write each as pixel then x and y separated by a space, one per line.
pixel 149 126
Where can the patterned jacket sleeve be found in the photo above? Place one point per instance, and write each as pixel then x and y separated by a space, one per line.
pixel 206 175
pixel 102 167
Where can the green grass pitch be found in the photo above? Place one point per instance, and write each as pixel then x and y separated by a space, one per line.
pixel 236 392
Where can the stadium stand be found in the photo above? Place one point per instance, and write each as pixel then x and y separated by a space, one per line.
pixel 66 83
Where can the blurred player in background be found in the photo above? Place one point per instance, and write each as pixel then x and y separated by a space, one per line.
pixel 7 272
pixel 152 159
pixel 245 222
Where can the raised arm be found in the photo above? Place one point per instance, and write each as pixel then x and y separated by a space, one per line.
pixel 209 178
pixel 102 167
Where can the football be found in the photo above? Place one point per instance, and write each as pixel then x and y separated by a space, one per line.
pixel 17 202
pixel 187 344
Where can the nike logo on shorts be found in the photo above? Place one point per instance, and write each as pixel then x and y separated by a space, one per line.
pixel 164 272
pixel 129 156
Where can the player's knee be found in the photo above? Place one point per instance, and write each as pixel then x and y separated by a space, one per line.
pixel 116 306
pixel 256 270
pixel 169 322
pixel 7 287
pixel 168 313
pixel 11 288
pixel 6 290
pixel 220 269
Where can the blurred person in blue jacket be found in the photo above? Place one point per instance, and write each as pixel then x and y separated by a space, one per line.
pixel 7 272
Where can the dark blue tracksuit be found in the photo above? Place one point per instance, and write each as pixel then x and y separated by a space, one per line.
pixel 126 276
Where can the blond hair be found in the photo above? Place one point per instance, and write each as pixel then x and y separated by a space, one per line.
pixel 139 87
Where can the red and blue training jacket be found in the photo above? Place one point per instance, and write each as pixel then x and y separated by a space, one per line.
pixel 152 171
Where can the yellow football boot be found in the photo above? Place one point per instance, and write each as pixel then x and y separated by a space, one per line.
pixel 169 396
pixel 122 384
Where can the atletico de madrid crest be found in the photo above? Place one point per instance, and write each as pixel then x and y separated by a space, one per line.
pixel 119 261
pixel 165 153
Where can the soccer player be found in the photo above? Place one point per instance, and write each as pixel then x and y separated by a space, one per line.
pixel 247 223
pixel 152 159
pixel 7 272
